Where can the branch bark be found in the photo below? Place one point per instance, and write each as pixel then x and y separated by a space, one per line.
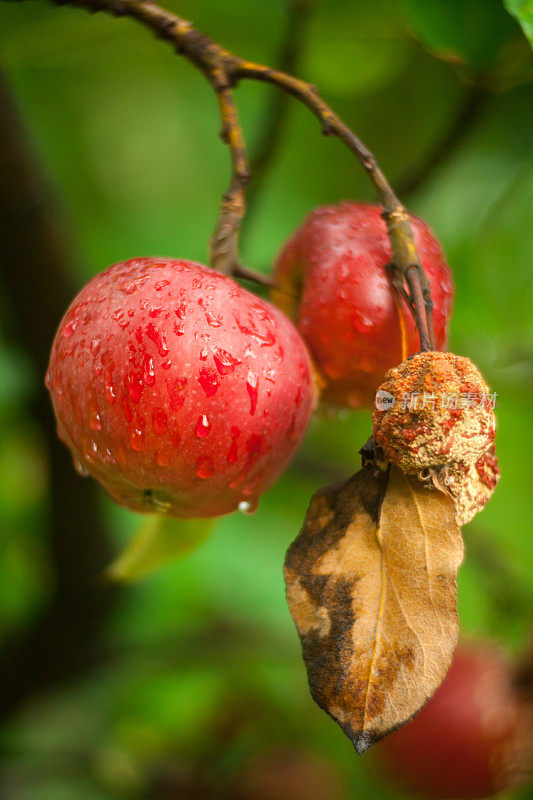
pixel 224 70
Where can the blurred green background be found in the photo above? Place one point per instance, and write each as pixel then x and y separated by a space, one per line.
pixel 192 678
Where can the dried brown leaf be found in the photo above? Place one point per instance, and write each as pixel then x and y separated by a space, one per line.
pixel 371 586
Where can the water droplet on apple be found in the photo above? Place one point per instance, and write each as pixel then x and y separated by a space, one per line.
pixel 203 426
pixel 157 338
pixel 94 416
pixel 224 361
pixel 109 388
pixel 134 386
pixel 232 455
pixel 208 381
pixel 69 328
pixel 251 386
pixel 204 467
pixel 127 410
pixel 137 440
pixel 148 370
pixel 80 468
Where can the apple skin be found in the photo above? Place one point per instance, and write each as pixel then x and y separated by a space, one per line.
pixel 333 282
pixel 177 389
pixel 474 736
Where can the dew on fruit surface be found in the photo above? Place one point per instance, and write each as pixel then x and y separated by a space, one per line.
pixel 90 449
pixel 162 459
pixel 69 328
pixel 251 386
pixel 159 422
pixel 161 285
pixel 204 467
pixel 155 312
pixel 233 453
pixel 270 375
pixel 203 354
pixel 214 322
pixel 166 364
pixel 148 370
pixel 109 388
pixel 94 347
pixel 134 386
pixel 127 410
pixel 94 416
pixel 131 312
pixel 361 322
pixel 179 329
pixel 224 361
pixel 80 468
pixel 248 506
pixel 203 426
pixel 248 352
pixel 158 339
pixel 130 287
pixel 208 380
pixel 137 439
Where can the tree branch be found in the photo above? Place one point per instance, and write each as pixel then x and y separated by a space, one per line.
pixel 223 69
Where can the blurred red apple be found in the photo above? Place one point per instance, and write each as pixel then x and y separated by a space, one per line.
pixel 472 739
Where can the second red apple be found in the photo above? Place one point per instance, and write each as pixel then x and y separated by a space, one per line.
pixel 334 283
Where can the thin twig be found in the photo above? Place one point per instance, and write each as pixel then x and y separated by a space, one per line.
pixel 224 243
pixel 223 69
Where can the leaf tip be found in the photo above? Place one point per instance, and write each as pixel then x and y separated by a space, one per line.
pixel 360 740
pixel 361 743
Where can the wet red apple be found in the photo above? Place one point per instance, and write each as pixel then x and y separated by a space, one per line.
pixel 178 389
pixel 334 284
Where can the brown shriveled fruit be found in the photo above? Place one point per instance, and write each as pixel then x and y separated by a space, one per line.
pixel 471 485
pixel 433 409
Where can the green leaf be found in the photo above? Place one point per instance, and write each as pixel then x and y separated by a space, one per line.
pixel 467 32
pixel 158 541
pixel 522 10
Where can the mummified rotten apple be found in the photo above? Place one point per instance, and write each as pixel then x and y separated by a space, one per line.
pixel 472 739
pixel 334 283
pixel 177 389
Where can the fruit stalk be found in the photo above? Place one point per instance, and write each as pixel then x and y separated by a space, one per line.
pixel 223 71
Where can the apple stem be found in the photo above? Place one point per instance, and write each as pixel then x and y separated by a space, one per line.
pixel 224 70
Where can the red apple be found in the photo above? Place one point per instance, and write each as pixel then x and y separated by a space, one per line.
pixel 178 389
pixel 472 739
pixel 334 283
